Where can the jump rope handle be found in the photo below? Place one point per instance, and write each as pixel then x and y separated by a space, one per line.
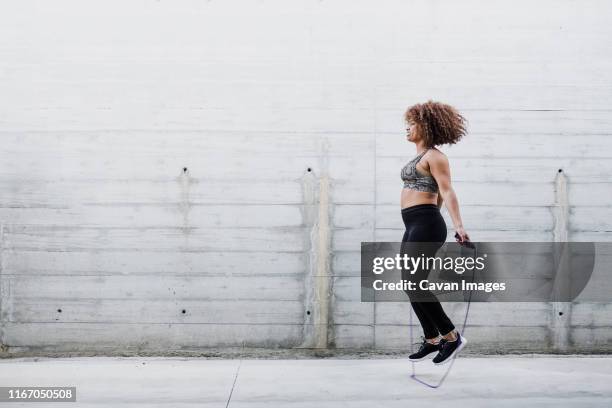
pixel 466 243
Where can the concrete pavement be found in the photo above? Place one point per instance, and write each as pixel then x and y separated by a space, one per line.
pixel 505 381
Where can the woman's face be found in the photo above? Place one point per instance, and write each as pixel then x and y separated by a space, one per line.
pixel 412 134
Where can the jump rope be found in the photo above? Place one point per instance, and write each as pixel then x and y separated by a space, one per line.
pixel 466 244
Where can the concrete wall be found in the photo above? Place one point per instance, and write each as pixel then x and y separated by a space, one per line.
pixel 184 175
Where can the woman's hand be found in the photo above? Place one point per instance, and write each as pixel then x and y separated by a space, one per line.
pixel 463 236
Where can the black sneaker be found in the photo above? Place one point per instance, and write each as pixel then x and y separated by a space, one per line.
pixel 449 349
pixel 425 349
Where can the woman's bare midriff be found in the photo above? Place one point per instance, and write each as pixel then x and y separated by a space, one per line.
pixel 412 197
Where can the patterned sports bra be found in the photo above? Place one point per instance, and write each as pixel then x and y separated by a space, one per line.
pixel 415 180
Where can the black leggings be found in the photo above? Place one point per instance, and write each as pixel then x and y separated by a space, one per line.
pixel 424 223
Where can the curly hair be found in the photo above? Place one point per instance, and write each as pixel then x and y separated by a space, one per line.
pixel 438 122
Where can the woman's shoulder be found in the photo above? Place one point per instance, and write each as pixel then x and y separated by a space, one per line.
pixel 434 155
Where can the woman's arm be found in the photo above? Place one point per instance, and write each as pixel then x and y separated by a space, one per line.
pixel 440 200
pixel 440 170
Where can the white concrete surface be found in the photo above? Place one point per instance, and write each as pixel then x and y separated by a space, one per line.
pixel 510 381
pixel 108 245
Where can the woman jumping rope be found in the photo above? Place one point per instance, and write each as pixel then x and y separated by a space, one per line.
pixel 427 185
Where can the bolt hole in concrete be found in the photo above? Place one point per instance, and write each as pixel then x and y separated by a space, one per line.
pixel 59 310
pixel 183 311
pixel 560 313
pixel 308 312
pixel 560 170
pixel 184 169
pixel 309 169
